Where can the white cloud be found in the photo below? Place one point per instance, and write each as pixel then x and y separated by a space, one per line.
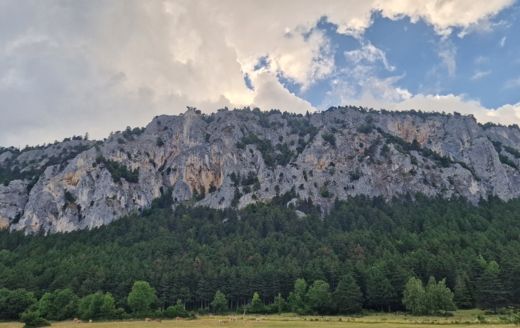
pixel 508 114
pixel 271 94
pixel 503 42
pixel 360 86
pixel 513 83
pixel 478 75
pixel 377 93
pixel 71 67
pixel 445 15
pixel 447 54
pixel 368 53
pixel 303 61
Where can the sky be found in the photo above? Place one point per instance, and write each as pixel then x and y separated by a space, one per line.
pixel 96 66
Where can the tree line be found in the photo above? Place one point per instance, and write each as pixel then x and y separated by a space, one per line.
pixel 190 253
pixel 142 301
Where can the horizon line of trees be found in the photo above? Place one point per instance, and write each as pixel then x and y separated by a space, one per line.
pixel 142 301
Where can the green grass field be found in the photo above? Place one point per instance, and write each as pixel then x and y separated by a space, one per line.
pixel 459 319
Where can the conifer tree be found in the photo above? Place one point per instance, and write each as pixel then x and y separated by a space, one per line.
pixel 347 296
pixel 491 294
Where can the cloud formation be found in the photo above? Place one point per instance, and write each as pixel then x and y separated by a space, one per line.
pixel 506 115
pixel 71 67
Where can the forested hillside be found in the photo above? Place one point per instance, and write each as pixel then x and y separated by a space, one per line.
pixel 190 253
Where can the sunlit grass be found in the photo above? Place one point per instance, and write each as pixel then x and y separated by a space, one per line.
pixel 459 319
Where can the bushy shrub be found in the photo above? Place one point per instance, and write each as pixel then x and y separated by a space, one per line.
pixel 118 170
pixel 33 319
pixel 329 138
pixel 177 311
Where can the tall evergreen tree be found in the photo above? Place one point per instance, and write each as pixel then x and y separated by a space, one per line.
pixel 347 296
pixel 462 294
pixel 379 290
pixel 490 290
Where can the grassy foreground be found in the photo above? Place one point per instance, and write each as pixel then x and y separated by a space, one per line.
pixel 459 319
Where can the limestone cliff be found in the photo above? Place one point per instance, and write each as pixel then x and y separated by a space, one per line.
pixel 234 158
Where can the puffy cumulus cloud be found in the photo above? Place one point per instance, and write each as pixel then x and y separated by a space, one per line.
pixel 367 90
pixel 68 67
pixel 445 15
pixel 507 114
pixel 271 94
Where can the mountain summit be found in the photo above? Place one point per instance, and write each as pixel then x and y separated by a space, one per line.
pixel 233 158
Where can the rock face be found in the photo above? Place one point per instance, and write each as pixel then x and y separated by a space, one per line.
pixel 234 158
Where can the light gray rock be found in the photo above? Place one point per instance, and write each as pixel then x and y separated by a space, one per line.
pixel 235 158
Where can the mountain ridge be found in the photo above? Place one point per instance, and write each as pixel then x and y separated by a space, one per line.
pixel 233 158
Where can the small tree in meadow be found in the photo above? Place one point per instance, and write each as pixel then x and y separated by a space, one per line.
pixel 141 298
pixel 177 311
pixel 297 298
pixel 436 298
pixel 257 306
pixel 319 297
pixel 97 306
pixel 219 303
pixel 279 304
pixel 414 296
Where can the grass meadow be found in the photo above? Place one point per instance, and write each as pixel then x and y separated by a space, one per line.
pixel 459 319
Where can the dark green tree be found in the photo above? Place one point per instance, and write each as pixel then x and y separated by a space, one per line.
pixel 141 298
pixel 33 319
pixel 58 305
pixel 463 296
pixel 490 290
pixel 379 291
pixel 439 298
pixel 97 306
pixel 435 298
pixel 297 298
pixel 177 311
pixel 14 302
pixel 219 303
pixel 256 306
pixel 348 297
pixel 319 298
pixel 279 304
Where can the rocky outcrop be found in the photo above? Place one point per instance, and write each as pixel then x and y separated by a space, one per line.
pixel 235 158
